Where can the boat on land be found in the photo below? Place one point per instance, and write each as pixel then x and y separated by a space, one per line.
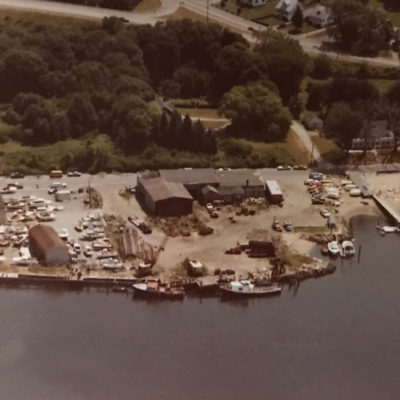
pixel 245 288
pixel 348 248
pixel 156 289
pixel 334 249
pixel 387 229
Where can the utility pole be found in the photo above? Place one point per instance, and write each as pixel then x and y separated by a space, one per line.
pixel 312 153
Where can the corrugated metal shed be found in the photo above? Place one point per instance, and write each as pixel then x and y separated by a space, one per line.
pixel 274 188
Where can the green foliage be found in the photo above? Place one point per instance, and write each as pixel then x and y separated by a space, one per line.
pixel 342 124
pixel 256 112
pixel 283 61
pixel 359 29
pixel 322 67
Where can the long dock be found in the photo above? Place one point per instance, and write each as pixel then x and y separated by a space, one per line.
pixel 387 209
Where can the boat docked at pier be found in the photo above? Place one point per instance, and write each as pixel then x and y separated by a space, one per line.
pixel 156 289
pixel 334 249
pixel 246 288
pixel 348 248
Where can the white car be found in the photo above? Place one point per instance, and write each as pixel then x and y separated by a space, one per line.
pixel 325 213
pixel 284 167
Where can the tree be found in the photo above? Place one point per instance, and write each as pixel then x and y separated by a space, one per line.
pixel 82 115
pixel 295 105
pixel 283 61
pixel 342 124
pixel 297 19
pixel 256 112
pixel 359 29
pixel 322 68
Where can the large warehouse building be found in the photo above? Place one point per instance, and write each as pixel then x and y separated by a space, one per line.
pixel 47 246
pixel 194 179
pixel 162 198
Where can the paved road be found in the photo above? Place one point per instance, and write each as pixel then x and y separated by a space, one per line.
pixel 303 135
pixel 310 45
pixel 75 10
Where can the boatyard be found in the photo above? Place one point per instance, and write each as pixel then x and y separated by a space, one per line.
pixel 256 225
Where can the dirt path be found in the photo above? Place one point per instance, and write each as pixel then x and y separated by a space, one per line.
pixel 303 135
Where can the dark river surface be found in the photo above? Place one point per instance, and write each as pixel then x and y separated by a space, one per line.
pixel 337 338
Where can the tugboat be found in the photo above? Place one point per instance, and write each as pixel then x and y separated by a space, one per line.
pixel 156 289
pixel 244 288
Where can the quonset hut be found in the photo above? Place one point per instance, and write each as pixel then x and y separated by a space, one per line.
pixel 47 246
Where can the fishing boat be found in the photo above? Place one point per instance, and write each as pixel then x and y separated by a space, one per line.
pixel 246 288
pixel 334 249
pixel 155 289
pixel 348 248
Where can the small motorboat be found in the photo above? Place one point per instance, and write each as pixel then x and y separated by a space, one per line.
pixel 156 289
pixel 334 249
pixel 348 248
pixel 244 288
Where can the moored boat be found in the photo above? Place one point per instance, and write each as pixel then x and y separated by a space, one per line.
pixel 155 289
pixel 246 288
pixel 348 248
pixel 334 248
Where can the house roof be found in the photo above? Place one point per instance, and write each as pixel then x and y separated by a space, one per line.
pixel 309 118
pixel 189 176
pixel 159 189
pixel 46 237
pixel 238 177
pixel 376 129
pixel 287 5
pixel 231 190
pixel 208 189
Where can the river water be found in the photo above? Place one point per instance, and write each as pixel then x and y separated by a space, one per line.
pixel 338 337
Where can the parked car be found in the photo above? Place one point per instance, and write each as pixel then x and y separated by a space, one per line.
pixel 325 213
pixel 16 175
pixel 284 168
pixel 287 226
pixel 317 200
pixel 74 174
pixel 300 167
pixel 77 247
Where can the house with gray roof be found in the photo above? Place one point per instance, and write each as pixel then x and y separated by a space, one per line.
pixel 286 9
pixel 319 16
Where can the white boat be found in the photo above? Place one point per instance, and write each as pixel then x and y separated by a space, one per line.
pixel 246 288
pixel 348 248
pixel 388 229
pixel 334 248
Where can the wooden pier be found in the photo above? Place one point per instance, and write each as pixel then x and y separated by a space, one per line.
pixel 387 209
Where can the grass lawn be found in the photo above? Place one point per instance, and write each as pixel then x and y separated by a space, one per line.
pixel 21 17
pixel 292 147
pixel 383 84
pixel 147 5
pixel 324 145
pixel 200 112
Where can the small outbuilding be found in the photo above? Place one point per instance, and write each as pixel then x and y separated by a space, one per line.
pixel 47 246
pixel 273 192
pixel 313 123
pixel 162 198
pixel 227 194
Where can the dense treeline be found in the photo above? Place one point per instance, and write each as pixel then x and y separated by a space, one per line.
pixel 65 82
pixel 114 4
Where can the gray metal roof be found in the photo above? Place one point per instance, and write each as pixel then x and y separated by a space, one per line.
pixel 160 189
pixel 273 188
pixel 238 177
pixel 189 176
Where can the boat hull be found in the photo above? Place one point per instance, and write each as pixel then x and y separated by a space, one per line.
pixel 157 294
pixel 259 292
